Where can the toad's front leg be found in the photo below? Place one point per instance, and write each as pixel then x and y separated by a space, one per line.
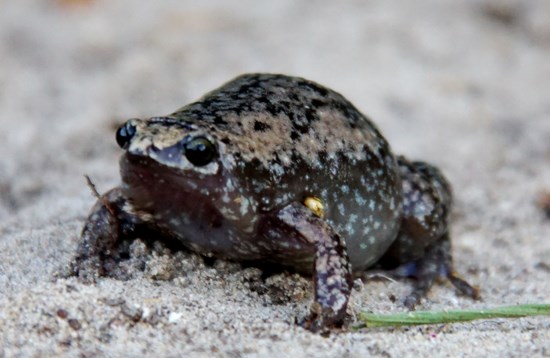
pixel 332 271
pixel 109 224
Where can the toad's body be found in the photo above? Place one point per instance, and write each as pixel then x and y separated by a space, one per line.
pixel 228 176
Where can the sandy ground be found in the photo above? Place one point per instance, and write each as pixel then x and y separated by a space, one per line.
pixel 464 85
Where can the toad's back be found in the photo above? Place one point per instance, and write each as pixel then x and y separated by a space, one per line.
pixel 289 138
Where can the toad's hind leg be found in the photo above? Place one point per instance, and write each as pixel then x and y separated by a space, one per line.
pixel 435 264
pixel 422 249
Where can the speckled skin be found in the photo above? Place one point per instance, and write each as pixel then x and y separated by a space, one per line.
pixel 276 140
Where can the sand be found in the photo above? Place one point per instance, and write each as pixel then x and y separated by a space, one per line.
pixel 464 85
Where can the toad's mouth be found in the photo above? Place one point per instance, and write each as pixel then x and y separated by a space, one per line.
pixel 146 181
pixel 167 194
pixel 182 205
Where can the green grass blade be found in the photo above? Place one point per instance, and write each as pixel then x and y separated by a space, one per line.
pixel 433 317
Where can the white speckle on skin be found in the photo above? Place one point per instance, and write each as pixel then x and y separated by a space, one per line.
pixel 372 204
pixel 420 209
pixel 228 213
pixel 244 206
pixel 341 209
pixel 283 243
pixel 229 185
pixel 359 198
pixel 175 221
pixel 406 187
pixel 277 170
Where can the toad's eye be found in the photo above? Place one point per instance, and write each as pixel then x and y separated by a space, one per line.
pixel 199 151
pixel 125 133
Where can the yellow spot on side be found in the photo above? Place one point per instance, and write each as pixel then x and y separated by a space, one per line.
pixel 316 205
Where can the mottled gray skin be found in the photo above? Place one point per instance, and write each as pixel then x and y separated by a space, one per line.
pixel 277 140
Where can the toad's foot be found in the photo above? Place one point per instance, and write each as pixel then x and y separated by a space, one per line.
pixel 436 264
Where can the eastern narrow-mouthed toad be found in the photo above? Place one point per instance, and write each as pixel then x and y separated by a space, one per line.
pixel 276 169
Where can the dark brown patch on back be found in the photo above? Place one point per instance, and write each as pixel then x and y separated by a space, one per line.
pixel 261 126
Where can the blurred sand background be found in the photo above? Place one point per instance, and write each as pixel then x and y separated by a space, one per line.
pixel 464 85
